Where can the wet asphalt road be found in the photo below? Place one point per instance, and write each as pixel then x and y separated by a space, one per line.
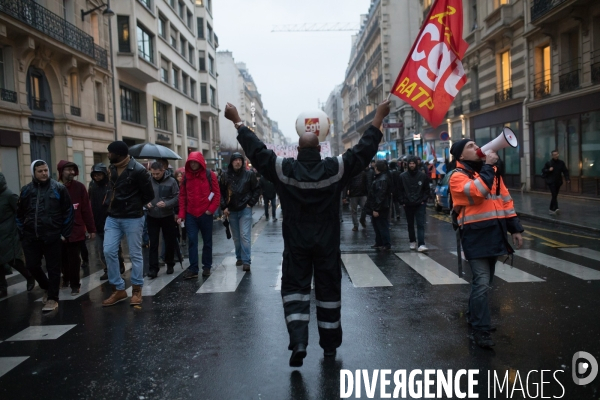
pixel 186 345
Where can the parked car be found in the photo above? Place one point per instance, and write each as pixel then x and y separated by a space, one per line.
pixel 441 202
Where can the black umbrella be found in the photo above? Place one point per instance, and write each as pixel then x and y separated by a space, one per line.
pixel 226 225
pixel 151 150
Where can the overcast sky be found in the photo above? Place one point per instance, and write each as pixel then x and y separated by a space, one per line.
pixel 293 71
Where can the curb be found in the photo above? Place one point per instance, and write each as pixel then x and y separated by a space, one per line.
pixel 534 217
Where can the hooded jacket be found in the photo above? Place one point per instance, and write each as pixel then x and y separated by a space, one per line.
pixel 167 190
pixel 44 210
pixel 195 190
pixel 98 192
pixel 10 248
pixel 413 186
pixel 82 211
pixel 238 188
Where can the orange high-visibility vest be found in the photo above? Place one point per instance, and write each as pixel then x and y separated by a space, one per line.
pixel 475 202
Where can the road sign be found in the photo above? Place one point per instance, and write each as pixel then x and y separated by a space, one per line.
pixel 393 125
pixel 224 153
pixel 417 137
pixel 445 144
pixel 441 169
pixel 444 136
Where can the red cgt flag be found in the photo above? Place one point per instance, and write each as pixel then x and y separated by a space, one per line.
pixel 433 73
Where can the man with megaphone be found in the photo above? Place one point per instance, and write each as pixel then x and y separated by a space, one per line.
pixel 484 212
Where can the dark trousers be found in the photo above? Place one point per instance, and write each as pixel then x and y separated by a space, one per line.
pixel 554 189
pixel 204 225
pixel 381 225
pixel 273 206
pixel 169 236
pixel 416 212
pixel 71 263
pixel 85 255
pixel 299 264
pixel 479 309
pixel 17 264
pixel 35 249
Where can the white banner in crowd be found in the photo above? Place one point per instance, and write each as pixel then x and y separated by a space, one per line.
pixel 292 151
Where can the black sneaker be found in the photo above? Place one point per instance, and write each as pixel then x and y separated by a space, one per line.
pixel 483 339
pixel 187 274
pixel 30 284
pixel 205 272
pixel 298 355
pixel 152 274
pixel 170 269
pixel 104 276
pixel 274 219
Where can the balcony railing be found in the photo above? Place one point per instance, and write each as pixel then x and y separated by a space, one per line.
pixel 542 85
pixel 45 21
pixel 9 95
pixel 475 105
pixel 503 95
pixel 458 110
pixel 101 56
pixel 541 7
pixel 39 104
pixel 76 111
pixel 100 117
pixel 568 78
pixel 596 66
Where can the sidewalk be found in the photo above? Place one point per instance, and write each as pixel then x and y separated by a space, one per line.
pixel 575 212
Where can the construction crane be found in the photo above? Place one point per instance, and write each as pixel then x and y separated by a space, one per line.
pixel 317 27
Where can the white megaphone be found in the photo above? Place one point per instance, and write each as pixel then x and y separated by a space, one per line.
pixel 505 139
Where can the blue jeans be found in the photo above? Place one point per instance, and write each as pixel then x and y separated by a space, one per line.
pixel 204 225
pixel 479 309
pixel 273 206
pixel 240 223
pixel 114 229
pixel 418 213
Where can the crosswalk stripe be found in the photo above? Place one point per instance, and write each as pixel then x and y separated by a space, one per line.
pixel 8 363
pixel 435 273
pixel 363 271
pixel 567 267
pixel 41 332
pixel 511 274
pixel 153 286
pixel 225 278
pixel 16 289
pixel 88 284
pixel 582 251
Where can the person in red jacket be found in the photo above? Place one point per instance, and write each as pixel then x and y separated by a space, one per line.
pixel 199 198
pixel 84 221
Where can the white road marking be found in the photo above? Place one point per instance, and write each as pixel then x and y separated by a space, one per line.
pixel 569 268
pixel 153 286
pixel 429 269
pixel 511 274
pixel 42 332
pixel 224 278
pixel 582 251
pixel 8 363
pixel 363 271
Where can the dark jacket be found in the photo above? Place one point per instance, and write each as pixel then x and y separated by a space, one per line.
pixel 83 219
pixel 44 211
pixel 555 176
pixel 98 192
pixel 309 187
pixel 379 194
pixel 413 187
pixel 238 188
pixel 10 248
pixel 166 190
pixel 357 187
pixel 130 191
pixel 370 177
pixel 267 188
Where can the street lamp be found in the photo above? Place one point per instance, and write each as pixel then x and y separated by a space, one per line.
pixel 108 12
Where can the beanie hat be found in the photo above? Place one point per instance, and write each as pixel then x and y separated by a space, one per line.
pixel 119 148
pixel 33 166
pixel 458 147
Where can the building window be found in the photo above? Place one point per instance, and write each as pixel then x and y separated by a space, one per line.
pixel 123 27
pixel 498 3
pixel 172 3
pixel 181 10
pixel 203 94
pixel 211 64
pixel 209 32
pixel 202 60
pixel 505 70
pixel 160 115
pixel 190 19
pixel 184 83
pixel 200 22
pixel 570 66
pixel 99 99
pixel 474 15
pixel 183 46
pixel 147 3
pixel 2 76
pixel 209 6
pixel 191 54
pixel 590 144
pixel 542 81
pixel 175 78
pixel 162 27
pixel 174 34
pixel 145 47
pixel 193 89
pixel 190 123
pixel 164 70
pixel 204 130
pixel 130 105
pixel 213 97
pixel 74 90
